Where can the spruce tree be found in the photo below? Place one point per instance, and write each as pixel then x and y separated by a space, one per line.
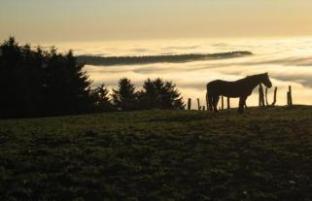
pixel 41 83
pixel 101 99
pixel 160 94
pixel 125 97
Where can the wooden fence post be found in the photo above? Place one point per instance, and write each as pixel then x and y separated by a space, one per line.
pixel 222 103
pixel 228 103
pixel 198 104
pixel 274 97
pixel 189 104
pixel 261 96
pixel 289 97
pixel 266 96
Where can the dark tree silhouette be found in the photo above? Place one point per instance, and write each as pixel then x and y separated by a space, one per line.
pixel 101 99
pixel 34 82
pixel 149 96
pixel 66 85
pixel 40 83
pixel 14 65
pixel 160 94
pixel 125 97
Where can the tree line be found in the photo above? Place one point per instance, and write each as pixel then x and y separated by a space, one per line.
pixel 36 82
pixel 178 58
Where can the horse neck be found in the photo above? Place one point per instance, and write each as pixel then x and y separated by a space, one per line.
pixel 254 81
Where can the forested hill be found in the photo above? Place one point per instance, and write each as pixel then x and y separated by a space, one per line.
pixel 179 58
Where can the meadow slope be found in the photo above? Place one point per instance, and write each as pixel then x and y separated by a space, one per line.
pixel 265 154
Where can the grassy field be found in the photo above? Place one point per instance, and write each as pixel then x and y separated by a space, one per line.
pixel 265 154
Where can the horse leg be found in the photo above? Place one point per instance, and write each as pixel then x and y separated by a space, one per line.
pixel 215 103
pixel 242 103
pixel 210 103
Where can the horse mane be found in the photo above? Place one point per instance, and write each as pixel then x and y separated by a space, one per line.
pixel 255 76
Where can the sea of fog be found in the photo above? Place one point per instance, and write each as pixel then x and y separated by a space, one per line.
pixel 287 60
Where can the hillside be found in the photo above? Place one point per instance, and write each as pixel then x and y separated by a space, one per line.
pixel 265 154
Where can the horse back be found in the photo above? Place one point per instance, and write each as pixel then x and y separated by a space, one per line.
pixel 225 88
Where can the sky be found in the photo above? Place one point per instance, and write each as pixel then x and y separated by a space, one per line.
pixel 94 20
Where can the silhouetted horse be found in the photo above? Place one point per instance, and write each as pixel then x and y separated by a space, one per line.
pixel 238 89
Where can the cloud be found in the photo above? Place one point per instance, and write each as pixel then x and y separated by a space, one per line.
pixel 191 80
pixel 288 62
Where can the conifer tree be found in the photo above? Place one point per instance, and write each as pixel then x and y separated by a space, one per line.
pixel 125 97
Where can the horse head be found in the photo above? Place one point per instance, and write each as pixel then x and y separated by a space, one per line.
pixel 266 80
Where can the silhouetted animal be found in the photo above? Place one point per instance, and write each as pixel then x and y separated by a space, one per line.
pixel 238 89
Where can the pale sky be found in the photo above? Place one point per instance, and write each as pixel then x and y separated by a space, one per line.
pixel 86 20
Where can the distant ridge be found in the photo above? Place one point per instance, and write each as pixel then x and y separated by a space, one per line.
pixel 179 58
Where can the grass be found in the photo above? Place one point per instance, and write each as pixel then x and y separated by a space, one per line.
pixel 265 154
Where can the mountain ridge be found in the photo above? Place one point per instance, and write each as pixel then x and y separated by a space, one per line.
pixel 175 58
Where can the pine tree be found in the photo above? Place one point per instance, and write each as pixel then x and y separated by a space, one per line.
pixel 160 94
pixel 149 96
pixel 125 98
pixel 101 99
pixel 41 83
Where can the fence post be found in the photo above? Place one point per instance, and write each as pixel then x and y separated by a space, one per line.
pixel 228 103
pixel 289 97
pixel 222 103
pixel 189 104
pixel 261 96
pixel 198 104
pixel 274 97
